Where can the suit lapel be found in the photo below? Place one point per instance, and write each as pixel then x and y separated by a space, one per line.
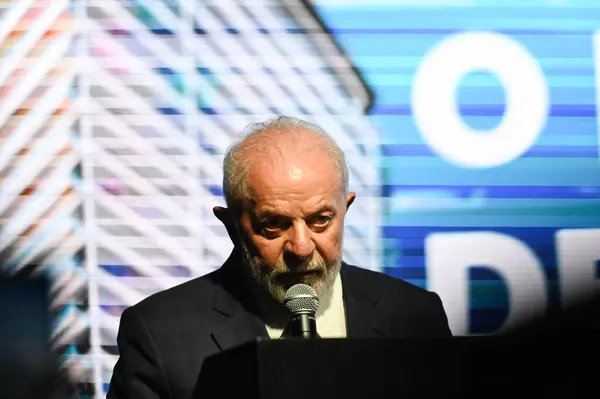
pixel 363 319
pixel 241 323
pixel 239 327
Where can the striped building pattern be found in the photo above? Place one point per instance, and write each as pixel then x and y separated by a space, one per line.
pixel 114 119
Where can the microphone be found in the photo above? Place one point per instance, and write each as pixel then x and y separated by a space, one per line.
pixel 302 302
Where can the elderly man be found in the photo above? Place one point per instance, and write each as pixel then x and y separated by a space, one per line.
pixel 286 188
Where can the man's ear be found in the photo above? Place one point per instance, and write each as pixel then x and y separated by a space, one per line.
pixel 350 197
pixel 226 217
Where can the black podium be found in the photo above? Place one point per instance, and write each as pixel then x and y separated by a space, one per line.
pixel 531 366
pixel 334 368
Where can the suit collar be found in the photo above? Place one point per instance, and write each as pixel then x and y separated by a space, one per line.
pixel 363 318
pixel 241 321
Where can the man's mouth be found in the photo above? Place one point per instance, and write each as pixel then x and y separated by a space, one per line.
pixel 306 275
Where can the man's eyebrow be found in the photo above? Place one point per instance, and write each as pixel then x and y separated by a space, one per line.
pixel 267 214
pixel 324 208
pixel 273 214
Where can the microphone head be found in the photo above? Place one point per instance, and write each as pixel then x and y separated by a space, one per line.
pixel 300 298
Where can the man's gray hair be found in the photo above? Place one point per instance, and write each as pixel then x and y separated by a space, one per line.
pixel 236 163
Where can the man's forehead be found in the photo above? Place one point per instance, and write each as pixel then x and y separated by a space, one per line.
pixel 303 177
pixel 311 206
pixel 296 172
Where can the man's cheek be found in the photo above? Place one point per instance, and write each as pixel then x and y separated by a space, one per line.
pixel 269 255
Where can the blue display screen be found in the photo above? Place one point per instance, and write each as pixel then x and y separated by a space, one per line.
pixel 488 115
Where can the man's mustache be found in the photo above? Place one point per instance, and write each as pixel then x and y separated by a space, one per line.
pixel 312 266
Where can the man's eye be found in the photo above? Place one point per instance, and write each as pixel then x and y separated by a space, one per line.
pixel 272 224
pixel 322 220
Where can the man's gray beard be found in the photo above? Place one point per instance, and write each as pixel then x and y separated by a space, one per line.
pixel 267 276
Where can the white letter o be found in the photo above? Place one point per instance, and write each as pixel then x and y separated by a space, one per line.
pixel 436 112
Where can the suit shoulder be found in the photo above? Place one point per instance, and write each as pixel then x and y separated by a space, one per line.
pixel 412 310
pixel 386 284
pixel 198 292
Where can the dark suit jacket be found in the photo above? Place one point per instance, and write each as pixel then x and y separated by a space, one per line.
pixel 164 339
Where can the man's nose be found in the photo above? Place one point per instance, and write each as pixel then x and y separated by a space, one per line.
pixel 300 241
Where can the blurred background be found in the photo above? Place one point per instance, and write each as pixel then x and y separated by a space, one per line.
pixel 470 127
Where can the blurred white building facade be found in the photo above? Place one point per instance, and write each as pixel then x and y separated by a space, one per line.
pixel 114 120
